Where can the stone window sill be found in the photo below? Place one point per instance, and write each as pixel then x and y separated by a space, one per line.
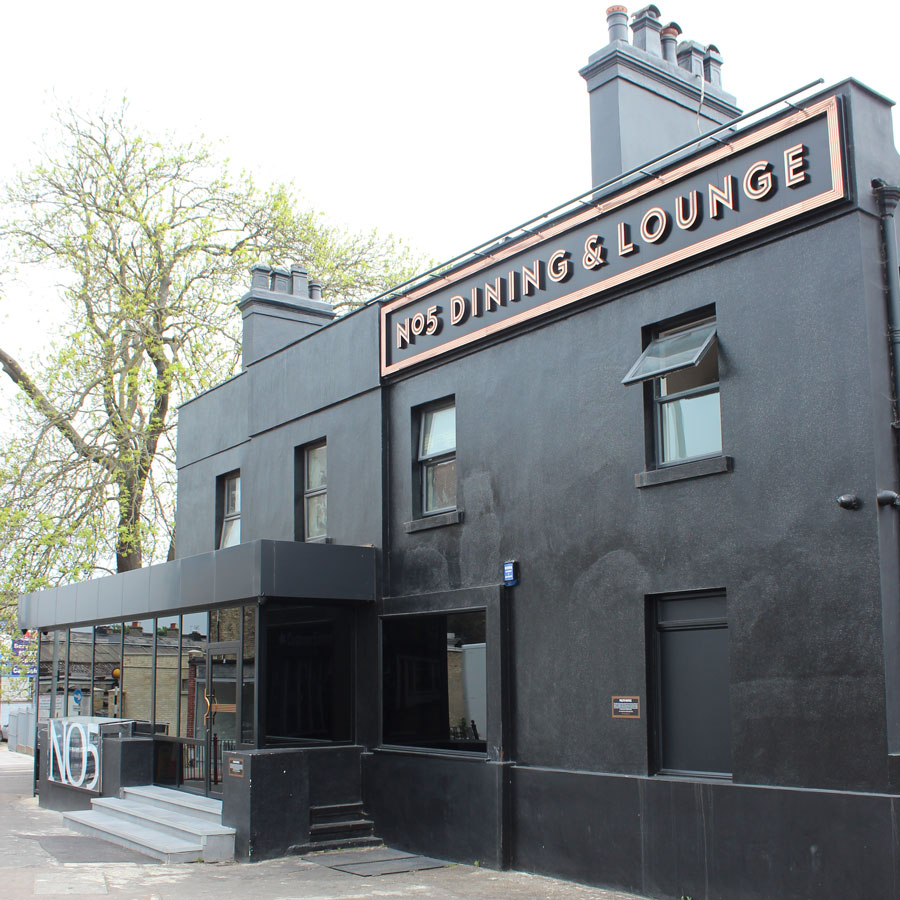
pixel 454 517
pixel 696 468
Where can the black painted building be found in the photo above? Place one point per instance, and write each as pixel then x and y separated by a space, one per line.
pixel 648 401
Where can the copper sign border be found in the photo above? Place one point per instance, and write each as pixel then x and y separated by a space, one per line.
pixel 828 107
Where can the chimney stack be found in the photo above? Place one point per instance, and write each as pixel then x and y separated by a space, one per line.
pixel 646 96
pixel 647 27
pixel 280 307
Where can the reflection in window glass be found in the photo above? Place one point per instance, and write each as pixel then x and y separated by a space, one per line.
pixel 231 507
pixel 435 681
pixel 60 706
pixel 79 683
pixel 47 680
pixel 194 630
pixel 440 485
pixel 689 413
pixel 168 643
pixel 225 624
pixel 690 426
pixel 309 674
pixel 439 431
pixel 437 458
pixel 106 700
pixel 248 678
pixel 311 492
pixel 137 670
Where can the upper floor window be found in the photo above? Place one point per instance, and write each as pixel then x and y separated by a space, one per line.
pixel 313 461
pixel 437 458
pixel 230 504
pixel 682 366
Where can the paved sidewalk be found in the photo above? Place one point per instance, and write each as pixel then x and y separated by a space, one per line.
pixel 39 858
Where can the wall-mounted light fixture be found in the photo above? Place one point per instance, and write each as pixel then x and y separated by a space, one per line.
pixel 849 501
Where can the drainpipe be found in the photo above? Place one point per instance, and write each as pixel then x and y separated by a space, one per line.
pixel 888 196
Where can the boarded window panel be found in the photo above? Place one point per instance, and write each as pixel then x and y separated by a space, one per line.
pixel 695 705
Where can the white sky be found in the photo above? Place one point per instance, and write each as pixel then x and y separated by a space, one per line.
pixel 444 123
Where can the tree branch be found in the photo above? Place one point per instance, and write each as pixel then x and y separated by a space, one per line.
pixel 54 416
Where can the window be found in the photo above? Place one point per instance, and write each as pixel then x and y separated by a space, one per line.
pixel 230 505
pixel 309 674
pixel 437 458
pixel 435 681
pixel 688 681
pixel 311 492
pixel 681 367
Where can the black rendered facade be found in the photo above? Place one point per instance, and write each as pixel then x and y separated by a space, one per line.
pixel 555 469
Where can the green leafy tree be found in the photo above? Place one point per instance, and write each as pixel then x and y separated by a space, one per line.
pixel 152 243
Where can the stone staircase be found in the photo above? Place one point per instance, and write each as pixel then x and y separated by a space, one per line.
pixel 172 826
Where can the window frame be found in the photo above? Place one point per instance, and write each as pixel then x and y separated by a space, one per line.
pixel 426 462
pixel 388 619
pixel 660 402
pixel 655 402
pixel 306 492
pixel 228 517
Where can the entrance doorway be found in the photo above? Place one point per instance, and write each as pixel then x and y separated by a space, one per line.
pixel 218 729
pixel 212 706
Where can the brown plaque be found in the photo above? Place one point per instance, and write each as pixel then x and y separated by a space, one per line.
pixel 626 707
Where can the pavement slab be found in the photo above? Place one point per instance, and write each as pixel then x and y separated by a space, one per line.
pixel 40 858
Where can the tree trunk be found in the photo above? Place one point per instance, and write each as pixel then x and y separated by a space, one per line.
pixel 128 535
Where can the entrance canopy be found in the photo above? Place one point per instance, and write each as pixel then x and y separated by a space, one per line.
pixel 283 569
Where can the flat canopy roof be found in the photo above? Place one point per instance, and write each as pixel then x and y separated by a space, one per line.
pixel 283 569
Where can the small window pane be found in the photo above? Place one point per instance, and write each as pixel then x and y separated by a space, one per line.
pixel 80 661
pixel 316 468
pixel 439 431
pixel 168 638
pixel 440 485
pixel 705 372
pixel 671 352
pixel 231 533
pixel 690 427
pixel 137 670
pixel 107 670
pixel 316 516
pixel 233 495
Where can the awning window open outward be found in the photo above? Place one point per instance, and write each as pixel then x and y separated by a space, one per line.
pixel 672 352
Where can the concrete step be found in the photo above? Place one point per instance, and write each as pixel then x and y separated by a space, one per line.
pixel 165 798
pixel 339 812
pixel 169 825
pixel 173 822
pixel 140 838
pixel 337 844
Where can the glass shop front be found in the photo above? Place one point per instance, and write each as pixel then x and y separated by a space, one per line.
pixel 208 682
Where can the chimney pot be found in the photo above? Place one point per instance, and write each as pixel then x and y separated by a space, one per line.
pixel 646 27
pixel 261 276
pixel 282 281
pixel 617 22
pixel 669 39
pixel 315 290
pixel 299 281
